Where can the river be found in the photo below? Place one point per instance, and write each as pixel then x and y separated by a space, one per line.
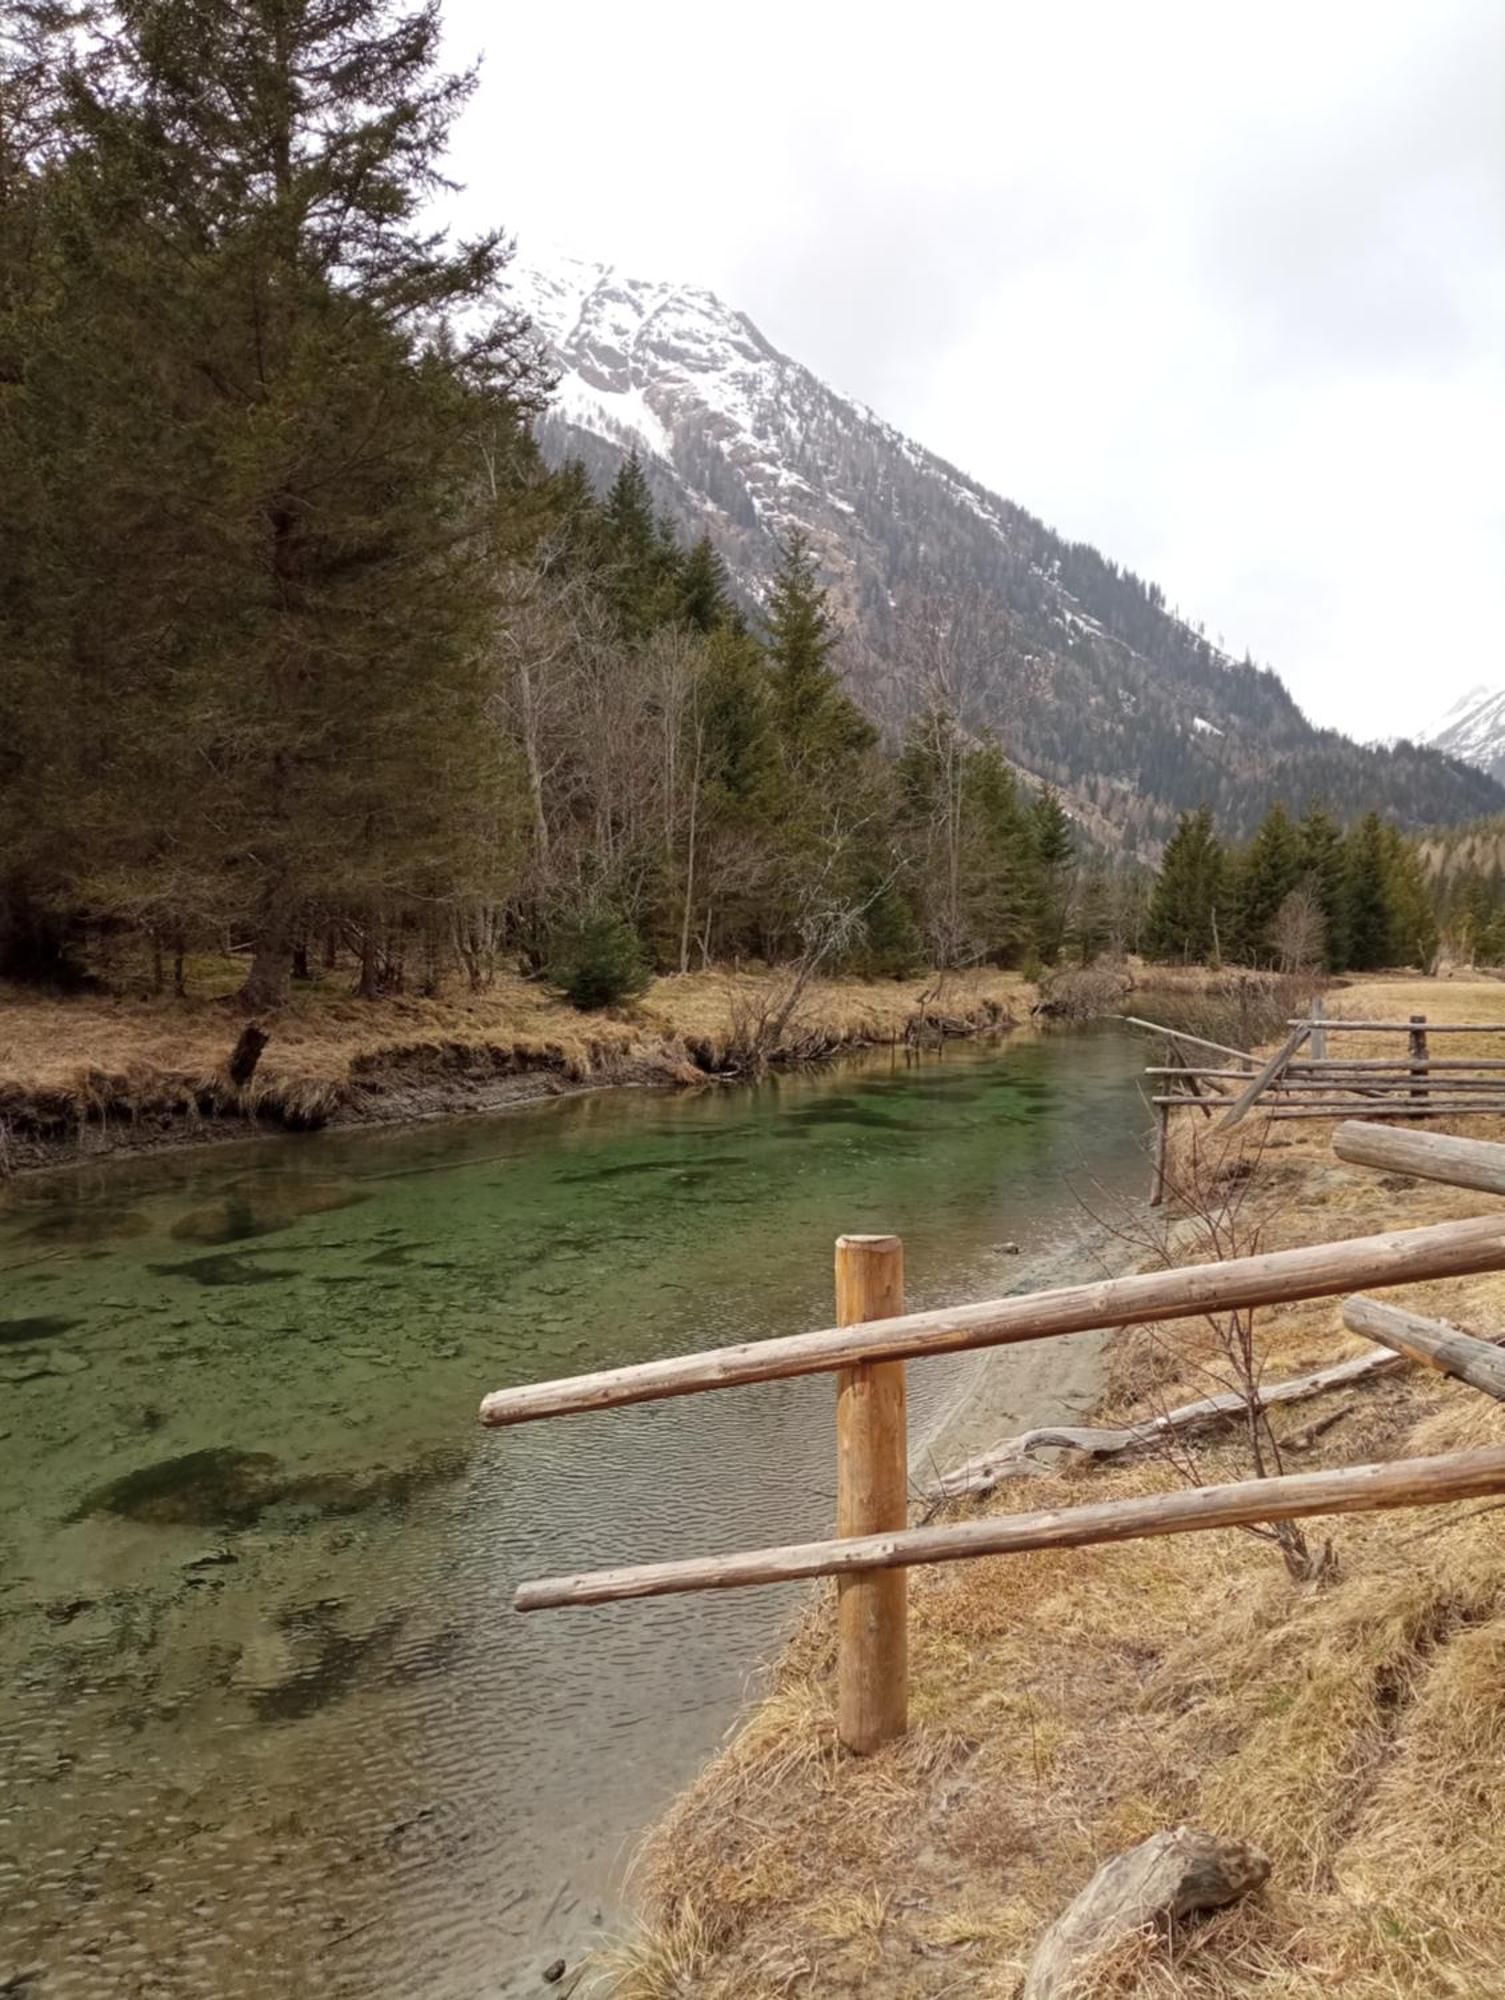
pixel 268 1726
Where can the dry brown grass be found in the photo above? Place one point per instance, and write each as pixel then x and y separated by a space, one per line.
pixel 1068 1704
pixel 64 1063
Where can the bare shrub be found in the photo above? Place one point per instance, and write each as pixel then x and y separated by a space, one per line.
pixel 1213 1182
pixel 1241 1009
pixel 1084 992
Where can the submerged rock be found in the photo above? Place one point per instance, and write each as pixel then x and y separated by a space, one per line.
pixel 41 1326
pixel 226 1488
pixel 222 1271
pixel 260 1205
pixel 220 1487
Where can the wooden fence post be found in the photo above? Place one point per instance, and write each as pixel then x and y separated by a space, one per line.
pixel 1162 1146
pixel 1319 1034
pixel 1418 1041
pixel 872 1496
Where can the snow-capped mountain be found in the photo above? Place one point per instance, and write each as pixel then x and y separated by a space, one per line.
pixel 1474 730
pixel 1092 683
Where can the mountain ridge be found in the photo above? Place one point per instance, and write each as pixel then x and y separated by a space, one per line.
pixel 946 589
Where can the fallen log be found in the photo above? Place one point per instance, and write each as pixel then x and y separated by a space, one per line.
pixel 1433 1342
pixel 981 1474
pixel 1397 1257
pixel 1430 1156
pixel 1159 1883
pixel 1416 1482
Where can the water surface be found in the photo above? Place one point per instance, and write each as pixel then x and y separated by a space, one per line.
pixel 267 1723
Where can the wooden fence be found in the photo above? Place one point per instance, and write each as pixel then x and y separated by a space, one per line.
pixel 874 1337
pixel 1318 1084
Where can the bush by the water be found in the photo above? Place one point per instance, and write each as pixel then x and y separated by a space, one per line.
pixel 598 960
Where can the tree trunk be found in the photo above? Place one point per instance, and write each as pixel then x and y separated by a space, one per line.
pixel 369 984
pixel 267 985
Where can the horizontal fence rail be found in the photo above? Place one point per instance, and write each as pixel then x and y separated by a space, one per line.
pixel 1396 1257
pixel 1356 1489
pixel 1400 1027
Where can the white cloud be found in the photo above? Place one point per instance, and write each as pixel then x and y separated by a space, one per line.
pixel 1220 290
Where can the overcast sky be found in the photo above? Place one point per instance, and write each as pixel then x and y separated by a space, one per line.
pixel 1219 288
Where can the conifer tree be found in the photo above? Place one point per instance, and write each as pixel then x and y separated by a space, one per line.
pixel 1320 844
pixel 1182 921
pixel 1367 923
pixel 287 605
pixel 704 598
pixel 1052 848
pixel 1268 871
pixel 641 554
pixel 817 721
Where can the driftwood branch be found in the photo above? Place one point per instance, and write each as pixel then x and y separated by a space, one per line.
pixel 1430 1341
pixel 1014 1455
pixel 1165 1879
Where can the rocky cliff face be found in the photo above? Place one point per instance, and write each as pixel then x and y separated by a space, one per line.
pixel 1091 681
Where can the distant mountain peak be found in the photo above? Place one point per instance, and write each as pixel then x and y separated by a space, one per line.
pixel 945 589
pixel 1474 730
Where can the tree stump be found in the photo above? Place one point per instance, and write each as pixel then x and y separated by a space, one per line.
pixel 1167 1877
pixel 247 1054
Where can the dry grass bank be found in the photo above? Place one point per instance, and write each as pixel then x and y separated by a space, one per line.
pixel 99 1071
pixel 1066 1705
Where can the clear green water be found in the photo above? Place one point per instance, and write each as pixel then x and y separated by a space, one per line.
pixel 267 1723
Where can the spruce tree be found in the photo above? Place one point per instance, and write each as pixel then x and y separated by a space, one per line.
pixel 1268 871
pixel 817 721
pixel 1367 915
pixel 1320 843
pixel 704 599
pixel 1182 921
pixel 640 553
pixel 291 605
pixel 1052 850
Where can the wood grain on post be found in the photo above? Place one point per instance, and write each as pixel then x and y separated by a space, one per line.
pixel 1276 1277
pixel 872 1497
pixel 1355 1489
pixel 1430 1156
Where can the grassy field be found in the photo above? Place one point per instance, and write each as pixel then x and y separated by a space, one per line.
pixel 1067 1705
pixel 97 1065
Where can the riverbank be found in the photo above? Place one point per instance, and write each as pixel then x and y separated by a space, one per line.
pixel 86 1077
pixel 1066 1705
